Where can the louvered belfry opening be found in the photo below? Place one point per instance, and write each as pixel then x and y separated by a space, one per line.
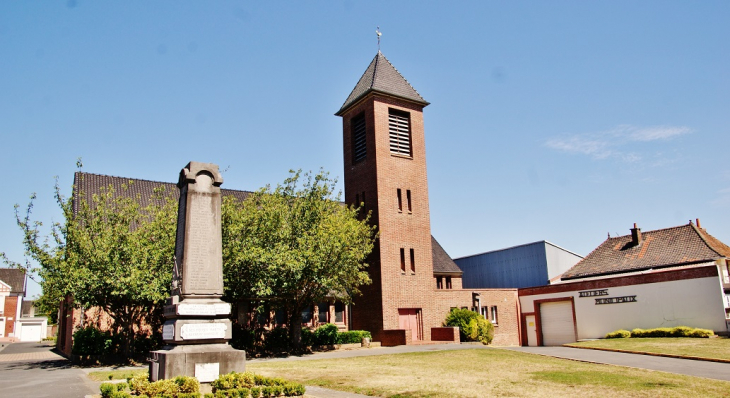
pixel 359 148
pixel 399 126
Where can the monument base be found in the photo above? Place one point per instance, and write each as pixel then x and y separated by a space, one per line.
pixel 203 361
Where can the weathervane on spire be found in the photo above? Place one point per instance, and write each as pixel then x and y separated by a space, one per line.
pixel 377 32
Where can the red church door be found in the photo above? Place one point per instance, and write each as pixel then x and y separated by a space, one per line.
pixel 410 319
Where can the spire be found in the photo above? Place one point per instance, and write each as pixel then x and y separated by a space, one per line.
pixel 381 76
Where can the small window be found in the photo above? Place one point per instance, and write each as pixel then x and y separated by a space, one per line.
pixel 307 315
pixel 400 200
pixel 408 199
pixel 403 259
pixel 413 262
pixel 448 282
pixel 453 308
pixel 399 127
pixel 339 312
pixel 439 282
pixel 485 314
pixel 359 148
pixel 323 312
pixel 494 314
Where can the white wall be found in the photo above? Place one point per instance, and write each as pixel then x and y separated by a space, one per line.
pixel 690 302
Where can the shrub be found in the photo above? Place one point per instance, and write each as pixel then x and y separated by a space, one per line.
pixel 107 389
pixel 138 383
pixel 91 341
pixel 187 384
pixel 121 394
pixel 678 331
pixel 122 386
pixel 703 333
pixel 472 326
pixel 255 391
pixel 326 334
pixel 161 387
pixel 619 334
pixel 352 336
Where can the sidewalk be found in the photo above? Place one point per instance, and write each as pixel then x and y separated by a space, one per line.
pixel 690 367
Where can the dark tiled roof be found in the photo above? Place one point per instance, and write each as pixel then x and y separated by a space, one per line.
pixel 15 278
pixel 91 184
pixel 26 307
pixel 381 76
pixel 662 248
pixel 442 262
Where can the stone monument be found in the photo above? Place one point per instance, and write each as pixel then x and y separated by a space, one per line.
pixel 197 325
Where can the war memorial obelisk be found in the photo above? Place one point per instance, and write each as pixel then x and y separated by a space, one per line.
pixel 197 325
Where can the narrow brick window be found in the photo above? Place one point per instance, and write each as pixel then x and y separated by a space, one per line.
pixel 399 127
pixel 403 259
pixel 439 282
pixel 359 149
pixel 408 200
pixel 323 312
pixel 448 282
pixel 400 201
pixel 494 314
pixel 413 261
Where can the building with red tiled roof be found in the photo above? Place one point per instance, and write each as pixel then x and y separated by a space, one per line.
pixel 677 276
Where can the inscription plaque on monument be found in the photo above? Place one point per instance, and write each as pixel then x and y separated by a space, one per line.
pixel 197 327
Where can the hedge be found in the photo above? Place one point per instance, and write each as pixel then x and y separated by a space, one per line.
pixel 678 331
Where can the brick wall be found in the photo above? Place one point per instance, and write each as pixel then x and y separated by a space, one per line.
pixel 10 312
pixel 507 330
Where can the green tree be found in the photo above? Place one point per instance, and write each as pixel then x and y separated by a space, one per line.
pixel 296 245
pixel 110 252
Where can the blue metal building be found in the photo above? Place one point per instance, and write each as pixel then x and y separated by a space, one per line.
pixel 528 265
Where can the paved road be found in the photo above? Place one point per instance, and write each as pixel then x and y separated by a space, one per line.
pixel 32 370
pixel 710 370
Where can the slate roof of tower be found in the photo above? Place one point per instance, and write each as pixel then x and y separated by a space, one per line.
pixel 442 262
pixel 91 184
pixel 682 245
pixel 15 278
pixel 381 76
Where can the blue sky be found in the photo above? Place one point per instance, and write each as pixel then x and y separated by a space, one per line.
pixel 562 120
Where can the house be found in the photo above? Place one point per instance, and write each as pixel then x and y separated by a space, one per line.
pixel 668 277
pixel 12 290
pixel 527 265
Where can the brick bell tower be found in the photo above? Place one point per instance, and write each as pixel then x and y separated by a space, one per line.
pixel 385 172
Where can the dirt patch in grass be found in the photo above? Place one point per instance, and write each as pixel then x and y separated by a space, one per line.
pixel 716 347
pixel 479 373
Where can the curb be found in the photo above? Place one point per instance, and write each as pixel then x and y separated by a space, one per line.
pixel 654 354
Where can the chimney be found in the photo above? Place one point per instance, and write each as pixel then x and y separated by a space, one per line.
pixel 636 238
pixel 698 222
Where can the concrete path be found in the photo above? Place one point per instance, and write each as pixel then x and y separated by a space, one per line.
pixel 710 370
pixel 32 370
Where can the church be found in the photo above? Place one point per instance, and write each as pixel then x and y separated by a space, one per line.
pixel 415 283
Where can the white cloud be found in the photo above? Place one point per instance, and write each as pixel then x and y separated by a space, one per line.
pixel 610 143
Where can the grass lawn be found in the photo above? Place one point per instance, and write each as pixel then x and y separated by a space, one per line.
pixel 716 347
pixel 481 373
pixel 115 374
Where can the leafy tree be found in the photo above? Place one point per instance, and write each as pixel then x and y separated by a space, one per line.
pixel 110 253
pixel 295 244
